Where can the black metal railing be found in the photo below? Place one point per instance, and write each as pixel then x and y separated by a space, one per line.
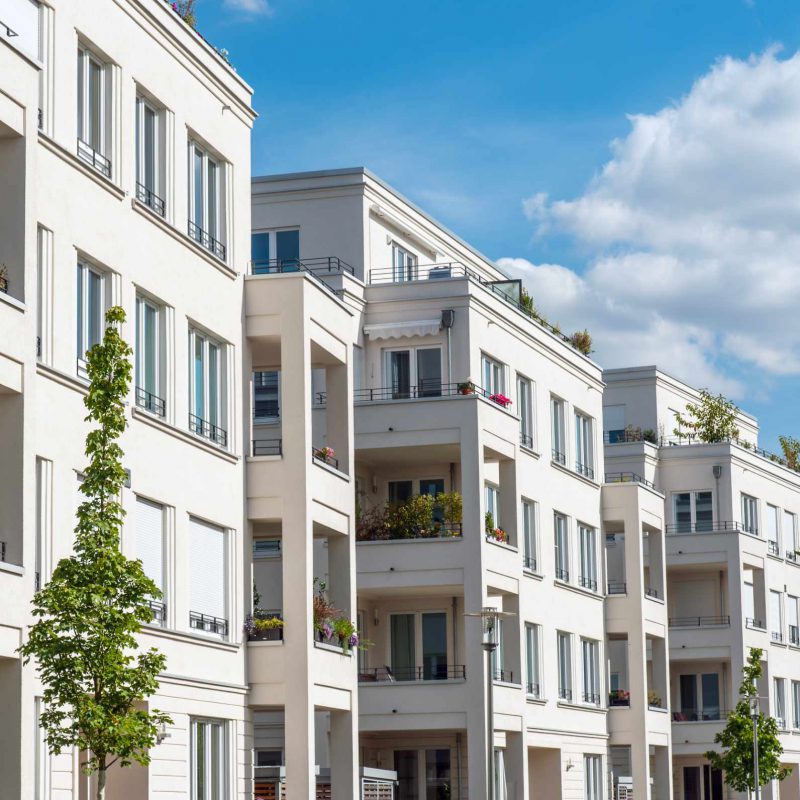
pixel 503 675
pixel 794 634
pixel 208 623
pixel 699 622
pixel 94 159
pixel 150 402
pixel 585 470
pixel 587 583
pixel 206 240
pixel 266 409
pixel 629 435
pixel 562 574
pixel 558 457
pixel 424 390
pixel 776 636
pixel 699 715
pixel 565 694
pixel 791 555
pixel 40 119
pixel 208 430
pixel 754 624
pixel 704 526
pixel 159 610
pixel 529 562
pixel 433 672
pixel 616 587
pixel 619 697
pixel 592 698
pixel 533 690
pixel 150 199
pixel 38 347
pixel 628 477
pixel 651 591
pixel 437 530
pixel 772 548
pixel 526 440
pixel 315 267
pixel 318 454
pixel 267 447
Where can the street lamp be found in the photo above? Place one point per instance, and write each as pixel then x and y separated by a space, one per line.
pixel 489 623
pixel 755 713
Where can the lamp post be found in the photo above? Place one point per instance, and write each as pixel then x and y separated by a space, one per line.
pixel 755 713
pixel 489 618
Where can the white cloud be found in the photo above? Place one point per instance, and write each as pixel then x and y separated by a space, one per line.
pixel 694 230
pixel 250 7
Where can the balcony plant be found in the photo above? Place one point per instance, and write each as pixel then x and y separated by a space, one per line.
pixel 500 399
pixel 323 611
pixel 791 450
pixel 619 697
pixel 653 699
pixel 466 387
pixel 269 628
pixel 582 342
pixel 325 454
pixel 712 419
pixel 492 531
pixel 3 278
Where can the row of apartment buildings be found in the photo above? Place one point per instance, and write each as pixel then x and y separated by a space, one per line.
pixel 275 317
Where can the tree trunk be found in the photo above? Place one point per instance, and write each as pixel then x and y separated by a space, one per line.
pixel 101 783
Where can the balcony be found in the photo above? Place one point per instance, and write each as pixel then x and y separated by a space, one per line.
pixel 705 526
pixel 619 698
pixel 206 240
pixel 699 622
pixel 264 626
pixel 97 161
pixel 150 402
pixel 150 199
pixel 627 477
pixel 208 430
pixel 317 268
pixel 699 715
pixel 324 455
pixel 437 672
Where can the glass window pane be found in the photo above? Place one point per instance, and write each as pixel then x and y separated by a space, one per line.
pixel 213 384
pixel 200 761
pixel 81 97
pixel 400 491
pixel 79 288
pixel 404 657
pixel 149 146
pixel 197 210
pixel 437 774
pixel 710 693
pixel 265 391
pixel 704 512
pixel 683 512
pixel 400 374
pixel 406 764
pixel 259 252
pixel 429 372
pixel 434 646
pixel 287 246
pixel 95 106
pixel 199 377
pixel 95 301
pixel 150 354
pixel 211 221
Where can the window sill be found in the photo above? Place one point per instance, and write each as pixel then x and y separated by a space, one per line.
pixel 578 589
pixel 332 648
pixel 538 701
pixel 185 436
pixel 12 569
pixel 508 684
pixel 529 573
pixel 652 599
pixel 12 301
pixel 530 451
pixel 66 155
pixel 582 707
pixel 567 471
pixel 165 226
pixel 65 379
pixel 504 545
pixel 190 638
pixel 265 643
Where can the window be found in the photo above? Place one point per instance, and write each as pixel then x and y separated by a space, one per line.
pixel 266 548
pixel 779 692
pixel 588 548
pixel 792 620
pixel 775 616
pixel 530 550
pixel 208 760
pixel 91 309
pixel 275 251
pixel 773 546
pixel 404 265
pixel 424 633
pixel 494 378
pixel 532 638
pixel 406 765
pixel 790 535
pixel 149 392
pixel 205 200
pixel 413 372
pixel 562 548
pixel 593 777
pixel 149 155
pixel 591 671
pixel 564 641
pixel 707 690
pixel 584 446
pixel 208 569
pixel 400 491
pixel 693 512
pixel 44 309
pixel 750 514
pixel 499 654
pixel 614 423
pixel 44 519
pixel 492 496
pixel 207 395
pixel 558 430
pixel 269 758
pixel 796 705
pixel 93 114
pixel 266 396
pixel 150 550
pixel 525 410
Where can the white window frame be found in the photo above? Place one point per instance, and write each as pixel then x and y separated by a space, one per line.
pixel 86 57
pixel 779 702
pixel 143 105
pixel 141 302
pixel 84 268
pixel 590 671
pixel 593 777
pixel 776 603
pixel 533 642
pixel 773 536
pixel 267 419
pixel 530 537
pixel 750 514
pixel 221 789
pixel 491 494
pixel 564 660
pixel 493 375
pixel 525 407
pixel 217 393
pixel 789 532
pixel 205 216
pixel 692 509
pixel 272 233
pixel 164 550
pixel 413 368
pixel 405 264
pixel 558 430
pixel 584 445
pixel 561 546
pixel 419 653
pixel 587 541
pixel 792 619
pixel 795 705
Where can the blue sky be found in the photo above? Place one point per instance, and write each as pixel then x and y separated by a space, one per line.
pixel 498 118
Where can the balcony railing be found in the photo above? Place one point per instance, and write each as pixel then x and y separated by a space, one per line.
pixel 593 698
pixel 628 477
pixel 565 694
pixel 533 690
pixel 94 159
pixel 587 583
pixel 150 402
pixel 562 574
pixel 699 715
pixel 651 591
pixel 529 563
pixel 318 454
pixel 503 675
pixel 704 526
pixel 776 636
pixel 208 623
pixel 425 390
pixel 315 267
pixel 150 199
pixel 617 587
pixel 526 440
pixel 585 470
pixel 267 447
pixel 772 548
pixel 208 430
pixel 206 240
pixel 159 610
pixel 559 457
pixel 437 672
pixel 438 530
pixel 619 697
pixel 791 555
pixel 699 622
pixel 754 624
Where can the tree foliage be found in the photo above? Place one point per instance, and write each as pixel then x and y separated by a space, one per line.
pixel 713 419
pixel 736 758
pixel 84 639
pixel 791 451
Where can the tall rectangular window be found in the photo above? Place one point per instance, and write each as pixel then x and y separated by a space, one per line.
pixel 773 544
pixel 750 514
pixel 266 395
pixel 790 542
pixel 792 620
pixel 530 549
pixel 796 705
pixel 93 111
pixel 149 156
pixel 593 777
pixel 525 411
pixel 434 646
pixel 44 519
pixel 207 391
pixel 562 547
pixel 709 688
pixel 775 616
pixel 494 376
pixel 403 646
pixel 779 692
pixel 558 430
pixel 150 550
pixel 693 512
pixel 564 645
pixel 499 654
pixel 404 265
pixel 587 539
pixel 208 584
pixel 149 389
pixel 275 251
pixel 413 372
pixel 584 445
pixel 406 765
pixel 91 309
pixel 492 496
pixel 590 664
pixel 437 773
pixel 532 637
pixel 208 761
pixel 205 189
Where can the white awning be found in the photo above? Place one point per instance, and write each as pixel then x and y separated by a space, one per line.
pixel 398 330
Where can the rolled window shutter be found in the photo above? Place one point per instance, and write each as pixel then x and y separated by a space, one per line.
pixel 207 568
pixel 150 540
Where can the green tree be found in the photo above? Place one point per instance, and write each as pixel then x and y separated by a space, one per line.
pixel 84 639
pixel 713 419
pixel 736 758
pixel 791 451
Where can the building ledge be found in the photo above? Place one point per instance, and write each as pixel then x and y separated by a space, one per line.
pixel 530 451
pixel 65 379
pixel 189 638
pixel 567 471
pixel 12 569
pixel 529 573
pixel 578 589
pixel 582 707
pixel 12 301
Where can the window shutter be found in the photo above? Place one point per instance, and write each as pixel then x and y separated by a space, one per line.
pixel 150 540
pixel 207 568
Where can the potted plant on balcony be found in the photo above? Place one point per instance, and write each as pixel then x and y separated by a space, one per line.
pixel 500 399
pixel 619 697
pixel 323 612
pixel 345 631
pixel 466 387
pixel 492 531
pixel 263 628
pixel 325 454
pixel 3 278
pixel 653 699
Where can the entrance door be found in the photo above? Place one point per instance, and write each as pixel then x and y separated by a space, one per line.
pixel 691 783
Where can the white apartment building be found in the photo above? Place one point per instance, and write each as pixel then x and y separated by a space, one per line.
pixel 124 180
pixel 733 579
